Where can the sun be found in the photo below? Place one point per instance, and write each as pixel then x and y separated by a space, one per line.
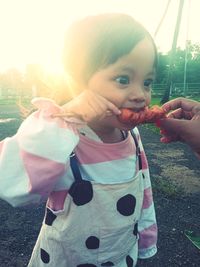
pixel 32 31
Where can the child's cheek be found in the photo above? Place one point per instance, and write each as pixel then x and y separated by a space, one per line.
pixel 148 99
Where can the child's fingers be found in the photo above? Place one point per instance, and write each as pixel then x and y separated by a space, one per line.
pixel 109 113
pixel 113 108
pixel 89 106
pixel 102 106
pixel 63 115
pixel 109 108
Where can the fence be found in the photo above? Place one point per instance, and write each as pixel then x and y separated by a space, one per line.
pixel 177 89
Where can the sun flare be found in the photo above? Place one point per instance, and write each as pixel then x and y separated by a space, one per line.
pixel 32 31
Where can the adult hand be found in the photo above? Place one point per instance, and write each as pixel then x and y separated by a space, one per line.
pixel 182 123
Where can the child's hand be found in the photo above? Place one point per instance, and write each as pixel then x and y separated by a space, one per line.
pixel 89 106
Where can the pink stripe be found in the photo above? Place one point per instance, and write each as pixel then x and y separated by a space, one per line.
pixel 90 152
pixel 43 173
pixel 148 237
pixel 144 161
pixel 56 200
pixel 148 198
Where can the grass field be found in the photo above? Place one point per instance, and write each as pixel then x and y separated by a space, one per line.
pixel 154 101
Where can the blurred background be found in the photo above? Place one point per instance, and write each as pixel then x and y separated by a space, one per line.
pixel 32 36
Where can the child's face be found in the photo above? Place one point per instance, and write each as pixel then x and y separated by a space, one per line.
pixel 127 82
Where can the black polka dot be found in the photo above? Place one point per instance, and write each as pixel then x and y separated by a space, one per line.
pixel 126 205
pixel 44 256
pixel 86 265
pixel 92 242
pixel 135 231
pixel 81 192
pixel 129 261
pixel 49 217
pixel 108 263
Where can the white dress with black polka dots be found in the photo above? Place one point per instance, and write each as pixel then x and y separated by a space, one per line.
pixel 100 230
pixel 98 226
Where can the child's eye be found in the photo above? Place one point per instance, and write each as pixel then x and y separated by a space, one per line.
pixel 148 82
pixel 122 80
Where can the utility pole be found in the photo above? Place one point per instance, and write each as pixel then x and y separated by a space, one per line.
pixel 172 54
pixel 186 51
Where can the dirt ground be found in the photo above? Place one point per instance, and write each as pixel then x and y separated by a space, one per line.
pixel 175 175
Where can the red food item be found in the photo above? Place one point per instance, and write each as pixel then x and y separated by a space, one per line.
pixel 147 115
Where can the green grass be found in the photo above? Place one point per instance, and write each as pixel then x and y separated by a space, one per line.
pixel 164 186
pixel 12 101
pixel 152 127
pixel 7 101
pixel 156 100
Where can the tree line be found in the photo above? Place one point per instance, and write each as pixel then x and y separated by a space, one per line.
pixel 14 82
pixel 193 65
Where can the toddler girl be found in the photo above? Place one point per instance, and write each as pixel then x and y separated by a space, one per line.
pixel 92 168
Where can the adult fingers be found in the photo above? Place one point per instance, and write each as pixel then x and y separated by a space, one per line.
pixel 196 116
pixel 180 114
pixel 183 103
pixel 174 125
pixel 176 114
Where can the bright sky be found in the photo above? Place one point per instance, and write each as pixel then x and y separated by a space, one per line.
pixel 31 31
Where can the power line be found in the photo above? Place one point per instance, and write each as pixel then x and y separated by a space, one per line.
pixel 162 18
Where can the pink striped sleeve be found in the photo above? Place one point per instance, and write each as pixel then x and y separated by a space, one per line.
pixel 148 198
pixel 147 226
pixel 42 173
pixel 148 237
pixel 33 160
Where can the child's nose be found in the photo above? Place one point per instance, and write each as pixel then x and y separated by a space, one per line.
pixel 137 94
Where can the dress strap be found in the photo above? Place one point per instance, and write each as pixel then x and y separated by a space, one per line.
pixel 75 167
pixel 138 152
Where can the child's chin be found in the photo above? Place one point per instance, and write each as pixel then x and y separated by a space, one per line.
pixel 127 127
pixel 120 125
